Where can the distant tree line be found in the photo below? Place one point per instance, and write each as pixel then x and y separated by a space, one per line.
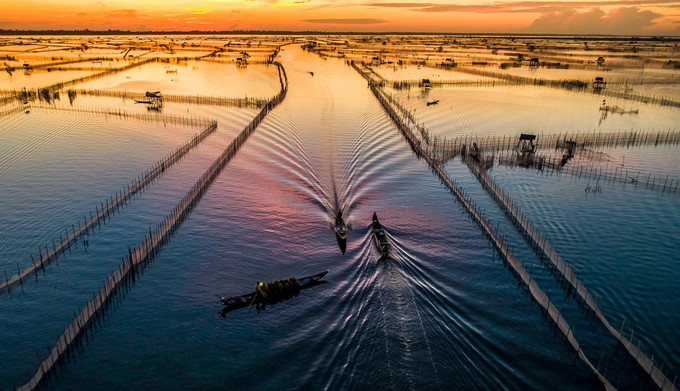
pixel 319 32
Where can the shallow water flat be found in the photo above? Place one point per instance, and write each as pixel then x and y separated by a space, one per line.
pixel 19 79
pixel 514 110
pixel 57 166
pixel 194 78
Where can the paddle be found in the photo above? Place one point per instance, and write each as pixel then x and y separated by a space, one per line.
pixel 250 307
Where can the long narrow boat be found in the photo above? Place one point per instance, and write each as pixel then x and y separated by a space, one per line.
pixel 340 228
pixel 340 232
pixel 256 297
pixel 379 237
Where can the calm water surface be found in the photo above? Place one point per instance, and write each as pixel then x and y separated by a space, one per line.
pixel 441 313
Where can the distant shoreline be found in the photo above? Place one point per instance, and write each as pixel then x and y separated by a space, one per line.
pixel 333 33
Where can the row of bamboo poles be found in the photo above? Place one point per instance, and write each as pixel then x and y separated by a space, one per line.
pixel 570 85
pixel 126 115
pixel 479 217
pixel 146 251
pixel 8 111
pixel 636 178
pixel 452 147
pixel 101 212
pixel 408 84
pixel 29 94
pixel 50 65
pixel 545 250
pixel 251 103
pixel 110 71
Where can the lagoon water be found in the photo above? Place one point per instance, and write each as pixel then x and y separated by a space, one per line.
pixel 441 313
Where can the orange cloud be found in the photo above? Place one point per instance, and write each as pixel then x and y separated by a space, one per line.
pixel 596 21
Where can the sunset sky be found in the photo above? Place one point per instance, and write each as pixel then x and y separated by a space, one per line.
pixel 657 17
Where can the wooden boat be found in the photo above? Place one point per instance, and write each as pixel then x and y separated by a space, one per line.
pixel 434 102
pixel 599 83
pixel 255 298
pixel 340 228
pixel 147 102
pixel 379 237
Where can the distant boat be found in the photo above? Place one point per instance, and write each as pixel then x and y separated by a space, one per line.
pixel 148 102
pixel 599 83
pixel 434 102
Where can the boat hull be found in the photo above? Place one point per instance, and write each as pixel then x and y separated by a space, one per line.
pixel 379 237
pixel 382 245
pixel 236 302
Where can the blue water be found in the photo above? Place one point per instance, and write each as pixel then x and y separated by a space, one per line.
pixel 442 312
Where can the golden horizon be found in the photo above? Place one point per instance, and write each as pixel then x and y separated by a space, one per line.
pixel 616 17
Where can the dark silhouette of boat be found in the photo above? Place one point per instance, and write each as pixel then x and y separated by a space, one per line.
pixel 152 98
pixel 271 293
pixel 599 83
pixel 434 102
pixel 340 232
pixel 379 237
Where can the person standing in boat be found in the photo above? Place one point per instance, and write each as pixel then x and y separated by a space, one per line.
pixel 338 217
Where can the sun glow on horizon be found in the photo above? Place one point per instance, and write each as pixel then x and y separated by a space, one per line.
pixel 651 17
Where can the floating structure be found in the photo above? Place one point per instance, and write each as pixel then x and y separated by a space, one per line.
pixel 153 100
pixel 599 83
pixel 525 149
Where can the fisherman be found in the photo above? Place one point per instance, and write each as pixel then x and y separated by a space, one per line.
pixel 338 217
pixel 375 216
